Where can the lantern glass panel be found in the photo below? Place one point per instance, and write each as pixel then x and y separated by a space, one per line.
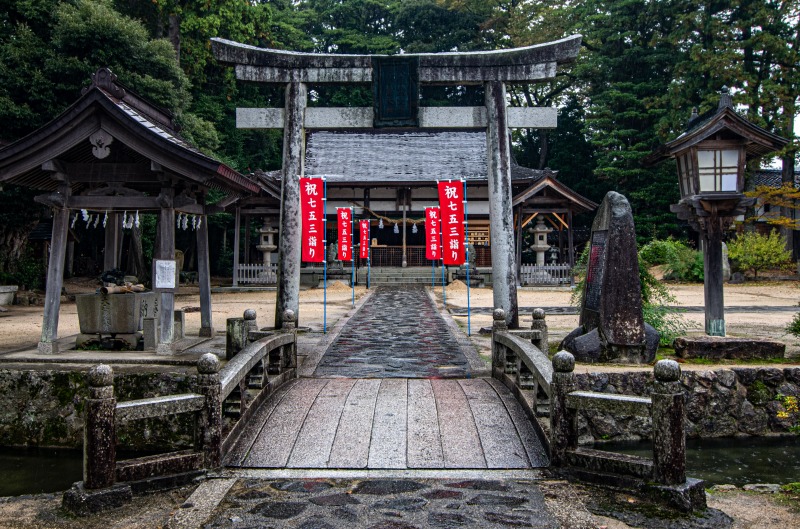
pixel 718 170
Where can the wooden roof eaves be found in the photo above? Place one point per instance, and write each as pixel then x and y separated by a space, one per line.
pixel 559 51
pixel 80 120
pixel 547 182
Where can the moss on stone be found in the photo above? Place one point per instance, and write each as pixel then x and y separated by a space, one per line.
pixel 758 393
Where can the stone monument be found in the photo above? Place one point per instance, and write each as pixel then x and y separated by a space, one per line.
pixel 612 327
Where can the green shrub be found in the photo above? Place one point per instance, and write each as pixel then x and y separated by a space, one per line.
pixel 682 263
pixel 794 326
pixel 755 252
pixel 660 251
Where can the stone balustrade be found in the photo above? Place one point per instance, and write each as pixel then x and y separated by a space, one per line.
pixel 253 373
pixel 540 383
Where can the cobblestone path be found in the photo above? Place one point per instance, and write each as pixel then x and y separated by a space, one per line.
pixel 384 504
pixel 390 423
pixel 397 333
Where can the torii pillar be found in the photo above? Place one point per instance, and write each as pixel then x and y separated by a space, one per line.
pixel 501 213
pixel 289 244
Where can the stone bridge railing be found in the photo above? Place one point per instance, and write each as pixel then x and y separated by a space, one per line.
pixel 546 387
pixel 222 402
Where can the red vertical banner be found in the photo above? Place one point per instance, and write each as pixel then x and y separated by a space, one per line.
pixel 312 212
pixel 451 203
pixel 345 244
pixel 432 225
pixel 365 242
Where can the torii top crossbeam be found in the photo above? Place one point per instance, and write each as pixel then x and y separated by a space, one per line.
pixel 527 64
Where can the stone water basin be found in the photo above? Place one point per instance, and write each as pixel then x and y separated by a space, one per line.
pixel 109 313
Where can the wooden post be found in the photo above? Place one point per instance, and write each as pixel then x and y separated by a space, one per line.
pixel 112 242
pixel 289 244
pixel 204 278
pixel 712 283
pixel 563 425
pixel 519 245
pixel 236 229
pixel 166 251
pixel 246 257
pixel 55 277
pixel 504 283
pixel 669 418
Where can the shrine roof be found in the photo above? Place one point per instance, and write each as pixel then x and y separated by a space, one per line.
pixel 396 158
pixel 144 141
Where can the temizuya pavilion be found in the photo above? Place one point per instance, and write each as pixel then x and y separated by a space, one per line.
pixel 396 116
pixel 111 151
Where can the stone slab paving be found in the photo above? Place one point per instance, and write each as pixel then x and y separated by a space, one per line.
pixel 398 333
pixel 567 310
pixel 383 504
pixel 390 424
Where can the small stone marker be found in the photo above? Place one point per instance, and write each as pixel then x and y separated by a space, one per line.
pixel 612 327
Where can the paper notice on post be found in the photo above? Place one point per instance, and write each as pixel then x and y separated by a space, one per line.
pixel 165 274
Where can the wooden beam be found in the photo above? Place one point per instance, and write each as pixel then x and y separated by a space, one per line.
pixel 261 211
pixel 108 172
pixel 561 220
pixel 528 220
pixel 113 203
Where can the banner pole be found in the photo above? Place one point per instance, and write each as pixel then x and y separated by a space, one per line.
pixel 353 254
pixel 325 257
pixel 369 265
pixel 466 247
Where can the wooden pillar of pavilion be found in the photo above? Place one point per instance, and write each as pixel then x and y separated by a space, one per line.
pixel 236 228
pixel 112 242
pixel 166 251
pixel 204 279
pixel 55 273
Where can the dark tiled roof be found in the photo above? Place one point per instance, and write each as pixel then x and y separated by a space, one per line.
pixel 770 177
pixel 365 157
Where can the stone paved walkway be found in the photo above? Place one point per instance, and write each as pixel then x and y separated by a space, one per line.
pixel 384 504
pixel 397 333
pixel 390 424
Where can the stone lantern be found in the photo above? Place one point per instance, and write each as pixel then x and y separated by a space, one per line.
pixel 711 156
pixel 540 245
pixel 267 244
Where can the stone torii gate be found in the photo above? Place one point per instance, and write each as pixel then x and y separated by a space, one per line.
pixel 395 81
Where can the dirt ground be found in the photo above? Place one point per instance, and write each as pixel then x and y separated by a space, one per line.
pixel 20 327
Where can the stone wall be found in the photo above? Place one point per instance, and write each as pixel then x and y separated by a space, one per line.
pixel 45 408
pixel 720 403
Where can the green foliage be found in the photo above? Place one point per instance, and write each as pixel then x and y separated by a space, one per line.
pixel 755 252
pixel 758 393
pixel 657 300
pixel 793 327
pixel 28 274
pixel 790 412
pixel 686 265
pixel 660 251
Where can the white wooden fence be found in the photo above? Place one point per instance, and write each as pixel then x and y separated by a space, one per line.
pixel 545 275
pixel 256 274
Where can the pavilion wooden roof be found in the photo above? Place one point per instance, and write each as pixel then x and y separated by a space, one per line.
pixel 111 139
pixel 549 183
